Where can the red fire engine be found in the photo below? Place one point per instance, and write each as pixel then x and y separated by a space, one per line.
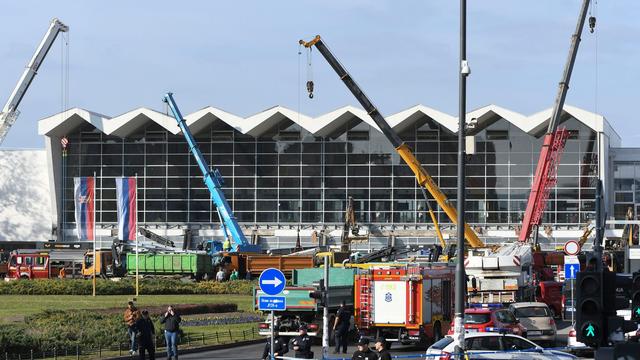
pixel 407 304
pixel 30 265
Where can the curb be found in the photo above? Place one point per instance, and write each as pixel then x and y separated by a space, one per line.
pixel 195 349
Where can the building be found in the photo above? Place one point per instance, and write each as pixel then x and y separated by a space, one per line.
pixel 288 175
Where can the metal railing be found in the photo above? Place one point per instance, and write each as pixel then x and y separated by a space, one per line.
pixel 188 340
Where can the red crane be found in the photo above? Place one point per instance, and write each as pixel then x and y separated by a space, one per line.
pixel 554 140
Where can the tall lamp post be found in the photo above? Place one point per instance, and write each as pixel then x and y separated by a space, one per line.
pixel 460 273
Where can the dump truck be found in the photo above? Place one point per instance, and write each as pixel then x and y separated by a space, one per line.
pixel 256 264
pixel 197 266
pixel 301 308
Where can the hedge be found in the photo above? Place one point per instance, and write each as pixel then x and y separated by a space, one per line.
pixel 90 329
pixel 157 286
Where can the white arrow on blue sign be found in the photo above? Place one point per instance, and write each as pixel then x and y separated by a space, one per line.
pixel 570 270
pixel 272 281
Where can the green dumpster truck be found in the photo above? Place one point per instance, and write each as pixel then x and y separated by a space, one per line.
pixel 197 266
pixel 301 308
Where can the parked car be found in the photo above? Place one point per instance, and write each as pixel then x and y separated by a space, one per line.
pixel 567 309
pixel 537 318
pixel 491 319
pixel 494 346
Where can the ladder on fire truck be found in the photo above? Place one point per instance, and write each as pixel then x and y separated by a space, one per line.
pixel 365 308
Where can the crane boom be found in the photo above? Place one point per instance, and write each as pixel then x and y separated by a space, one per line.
pixel 213 180
pixel 423 178
pixel 10 111
pixel 553 143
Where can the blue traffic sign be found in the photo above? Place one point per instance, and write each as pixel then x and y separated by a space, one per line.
pixel 571 270
pixel 272 281
pixel 272 303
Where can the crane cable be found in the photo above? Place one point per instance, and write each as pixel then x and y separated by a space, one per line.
pixel 593 13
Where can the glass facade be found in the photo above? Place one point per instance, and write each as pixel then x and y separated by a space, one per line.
pixel 290 176
pixel 626 187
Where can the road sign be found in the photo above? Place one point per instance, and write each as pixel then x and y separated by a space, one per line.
pixel 272 281
pixel 272 303
pixel 571 267
pixel 571 247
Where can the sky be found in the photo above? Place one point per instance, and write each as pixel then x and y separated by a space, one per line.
pixel 243 56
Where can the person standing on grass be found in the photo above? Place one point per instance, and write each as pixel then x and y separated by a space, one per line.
pixel 146 336
pixel 131 315
pixel 171 321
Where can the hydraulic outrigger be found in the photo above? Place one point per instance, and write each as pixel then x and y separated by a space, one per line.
pixel 423 178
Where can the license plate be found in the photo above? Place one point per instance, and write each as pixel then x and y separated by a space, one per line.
pixel 570 309
pixel 471 330
pixel 535 332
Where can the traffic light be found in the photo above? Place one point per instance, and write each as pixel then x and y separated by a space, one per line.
pixel 320 295
pixel 590 319
pixel 635 297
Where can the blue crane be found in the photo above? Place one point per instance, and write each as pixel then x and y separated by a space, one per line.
pixel 214 182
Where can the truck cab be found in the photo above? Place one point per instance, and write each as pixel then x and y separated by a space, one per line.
pixel 105 264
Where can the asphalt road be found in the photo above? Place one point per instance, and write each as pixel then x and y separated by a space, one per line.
pixel 252 352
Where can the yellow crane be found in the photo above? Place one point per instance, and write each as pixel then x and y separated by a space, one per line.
pixel 423 178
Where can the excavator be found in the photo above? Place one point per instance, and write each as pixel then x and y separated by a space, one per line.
pixel 422 176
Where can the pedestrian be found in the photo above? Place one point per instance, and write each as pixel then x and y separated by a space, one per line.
pixel 131 315
pixel 234 275
pixel 171 321
pixel 220 276
pixel 301 344
pixel 341 328
pixel 363 352
pixel 146 336
pixel 279 347
pixel 381 347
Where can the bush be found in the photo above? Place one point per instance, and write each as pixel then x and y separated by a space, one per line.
pixel 156 286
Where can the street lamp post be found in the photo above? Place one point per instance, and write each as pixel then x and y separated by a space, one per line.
pixel 460 273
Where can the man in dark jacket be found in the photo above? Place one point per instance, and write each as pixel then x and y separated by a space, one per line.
pixel 301 344
pixel 341 328
pixel 146 336
pixel 171 321
pixel 363 352
pixel 279 347
pixel 381 347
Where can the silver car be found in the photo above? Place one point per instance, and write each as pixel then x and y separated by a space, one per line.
pixel 538 320
pixel 487 345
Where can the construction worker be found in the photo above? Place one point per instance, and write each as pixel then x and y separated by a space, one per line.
pixel 301 344
pixel 234 275
pixel 226 245
pixel 62 274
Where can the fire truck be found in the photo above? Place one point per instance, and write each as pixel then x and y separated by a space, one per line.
pixel 410 304
pixel 31 265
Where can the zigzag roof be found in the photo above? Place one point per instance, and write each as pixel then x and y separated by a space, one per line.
pixel 322 125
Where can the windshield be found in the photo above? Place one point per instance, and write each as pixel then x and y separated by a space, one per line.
pixel 476 318
pixel 442 343
pixel 532 311
pixel 505 316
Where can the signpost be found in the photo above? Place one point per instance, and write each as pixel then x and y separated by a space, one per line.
pixel 272 282
pixel 571 268
pixel 571 247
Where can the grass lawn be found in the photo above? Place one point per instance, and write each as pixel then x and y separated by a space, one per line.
pixel 15 307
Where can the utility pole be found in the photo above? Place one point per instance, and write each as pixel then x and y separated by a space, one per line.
pixel 460 273
pixel 325 311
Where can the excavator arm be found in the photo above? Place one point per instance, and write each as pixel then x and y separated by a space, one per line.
pixel 423 178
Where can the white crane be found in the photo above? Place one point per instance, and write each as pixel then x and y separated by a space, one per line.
pixel 10 111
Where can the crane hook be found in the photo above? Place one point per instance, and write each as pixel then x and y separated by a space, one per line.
pixel 310 88
pixel 592 23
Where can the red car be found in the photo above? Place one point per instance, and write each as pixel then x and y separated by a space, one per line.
pixel 491 319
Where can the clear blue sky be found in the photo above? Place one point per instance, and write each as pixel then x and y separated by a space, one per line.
pixel 242 56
